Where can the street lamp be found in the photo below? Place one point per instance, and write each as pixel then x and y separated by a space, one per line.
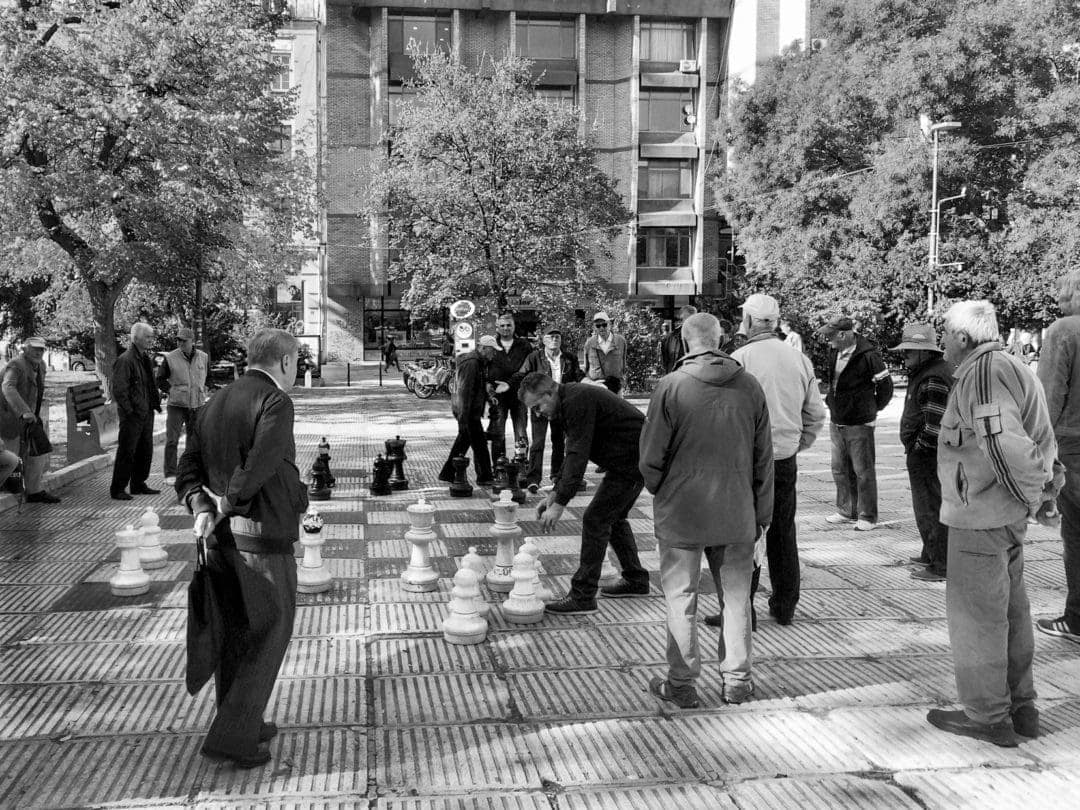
pixel 931 130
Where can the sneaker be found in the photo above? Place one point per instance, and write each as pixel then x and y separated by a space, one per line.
pixel 170 480
pixel 685 698
pixel 920 560
pixel 41 497
pixel 864 526
pixel 1057 627
pixel 533 487
pixel 928 575
pixel 570 607
pixel 738 692
pixel 957 722
pixel 623 588
pixel 145 490
pixel 260 757
pixel 837 518
pixel 1025 721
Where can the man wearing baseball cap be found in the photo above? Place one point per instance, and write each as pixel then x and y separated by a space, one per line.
pixel 929 381
pixel 182 378
pixel 859 387
pixel 23 390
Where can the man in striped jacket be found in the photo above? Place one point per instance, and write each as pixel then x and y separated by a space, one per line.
pixel 997 462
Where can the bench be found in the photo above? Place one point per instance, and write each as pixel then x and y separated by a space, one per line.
pixel 86 404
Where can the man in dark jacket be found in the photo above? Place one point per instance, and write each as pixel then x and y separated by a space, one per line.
pixel 707 456
pixel 238 477
pixel 21 395
pixel 510 353
pixel 136 396
pixel 672 347
pixel 929 381
pixel 468 402
pixel 605 428
pixel 859 387
pixel 563 368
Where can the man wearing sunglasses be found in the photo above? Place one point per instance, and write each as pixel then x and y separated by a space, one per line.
pixel 605 354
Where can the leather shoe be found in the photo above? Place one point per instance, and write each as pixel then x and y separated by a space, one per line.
pixel 42 497
pixel 685 698
pixel 622 588
pixel 260 757
pixel 145 491
pixel 1025 721
pixel 120 496
pixel 267 731
pixel 957 722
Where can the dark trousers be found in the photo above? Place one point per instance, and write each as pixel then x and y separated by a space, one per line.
pixel 926 503
pixel 605 522
pixel 853 470
pixel 781 548
pixel 1069 504
pixel 177 417
pixel 512 407
pixel 536 449
pixel 245 679
pixel 134 451
pixel 470 435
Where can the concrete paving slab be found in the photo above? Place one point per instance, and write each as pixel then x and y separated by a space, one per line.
pixel 824 793
pixel 414 655
pixel 328 620
pixel 871 637
pixel 994 789
pixel 685 797
pixel 576 694
pixel 499 801
pixel 447 698
pixel 555 649
pixel 325 656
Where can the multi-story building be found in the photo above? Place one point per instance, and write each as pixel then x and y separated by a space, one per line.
pixel 652 73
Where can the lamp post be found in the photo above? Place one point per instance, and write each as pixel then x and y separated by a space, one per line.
pixel 931 130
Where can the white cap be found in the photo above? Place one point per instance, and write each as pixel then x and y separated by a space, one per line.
pixel 488 340
pixel 601 316
pixel 762 306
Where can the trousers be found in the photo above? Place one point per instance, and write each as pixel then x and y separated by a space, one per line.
pixel 605 522
pixel 134 451
pixel 540 427
pixel 1069 504
pixel 470 435
pixel 926 503
pixel 177 417
pixel 781 547
pixel 853 462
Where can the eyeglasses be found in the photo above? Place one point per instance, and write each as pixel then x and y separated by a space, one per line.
pixel 599 323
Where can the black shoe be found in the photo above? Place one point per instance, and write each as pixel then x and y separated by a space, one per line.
pixel 260 757
pixel 716 620
pixel 685 698
pixel 570 607
pixel 623 588
pixel 738 692
pixel 928 575
pixel 784 617
pixel 145 490
pixel 920 560
pixel 120 496
pixel 1025 721
pixel 957 722
pixel 267 731
pixel 42 497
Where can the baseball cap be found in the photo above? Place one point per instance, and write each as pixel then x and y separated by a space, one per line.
pixel 185 334
pixel 35 343
pixel 918 336
pixel 601 316
pixel 760 305
pixel 553 331
pixel 839 324
pixel 488 340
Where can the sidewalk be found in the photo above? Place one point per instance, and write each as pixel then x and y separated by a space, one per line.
pixel 377 711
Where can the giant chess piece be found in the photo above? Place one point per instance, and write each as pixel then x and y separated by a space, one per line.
pixel 522 606
pixel 129 579
pixel 517 494
pixel 521 454
pixel 506 531
pixel 475 563
pixel 395 454
pixel 465 625
pixel 420 576
pixel 500 481
pixel 151 553
pixel 322 481
pixel 460 488
pixel 312 573
pixel 543 593
pixel 380 476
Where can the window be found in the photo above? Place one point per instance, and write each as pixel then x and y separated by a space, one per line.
pixel 427 33
pixel 282 81
pixel 546 39
pixel 665 180
pixel 663 247
pixel 666 110
pixel 563 96
pixel 667 41
pixel 281 142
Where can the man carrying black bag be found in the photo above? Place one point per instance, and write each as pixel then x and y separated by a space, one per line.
pixel 23 389
pixel 238 477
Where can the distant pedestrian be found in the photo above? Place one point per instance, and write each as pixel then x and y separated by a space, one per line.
pixel 182 378
pixel 929 381
pixel 136 396
pixel 468 401
pixel 672 347
pixel 706 455
pixel 390 354
pixel 605 354
pixel 859 387
pixel 998 469
pixel 23 390
pixel 791 337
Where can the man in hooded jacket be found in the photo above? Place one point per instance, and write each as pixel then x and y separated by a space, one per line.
pixel 706 455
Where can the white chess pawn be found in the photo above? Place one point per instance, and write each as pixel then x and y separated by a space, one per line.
pixel 420 576
pixel 312 573
pixel 522 606
pixel 505 531
pixel 151 553
pixel 464 625
pixel 543 593
pixel 475 563
pixel 129 579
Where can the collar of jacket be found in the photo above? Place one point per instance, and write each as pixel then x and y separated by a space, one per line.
pixel 762 336
pixel 976 353
pixel 685 357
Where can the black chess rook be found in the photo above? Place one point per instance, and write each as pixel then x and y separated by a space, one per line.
pixel 395 455
pixel 517 494
pixel 460 488
pixel 500 480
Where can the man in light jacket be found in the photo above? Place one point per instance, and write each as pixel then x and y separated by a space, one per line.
pixel 182 378
pixel 707 457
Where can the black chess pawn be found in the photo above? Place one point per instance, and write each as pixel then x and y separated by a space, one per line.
pixel 500 480
pixel 521 454
pixel 380 476
pixel 322 481
pixel 460 488
pixel 517 493
pixel 395 454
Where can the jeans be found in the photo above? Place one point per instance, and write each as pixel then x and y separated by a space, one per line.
pixel 853 459
pixel 680 573
pixel 536 449
pixel 605 522
pixel 1069 504
pixel 512 406
pixel 177 417
pixel 990 621
pixel 470 435
pixel 926 503
pixel 781 548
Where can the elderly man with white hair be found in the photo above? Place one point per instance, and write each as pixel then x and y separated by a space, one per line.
pixel 136 396
pixel 997 463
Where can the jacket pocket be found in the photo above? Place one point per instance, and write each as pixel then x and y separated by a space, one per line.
pixel 986 419
pixel 951 435
pixel 960 481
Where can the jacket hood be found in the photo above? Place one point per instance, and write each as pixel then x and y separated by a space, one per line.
pixel 711 367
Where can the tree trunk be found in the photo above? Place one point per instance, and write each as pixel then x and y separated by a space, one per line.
pixel 197 323
pixel 103 305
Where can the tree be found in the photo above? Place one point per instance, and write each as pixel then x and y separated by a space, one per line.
pixel 490 192
pixel 140 138
pixel 829 184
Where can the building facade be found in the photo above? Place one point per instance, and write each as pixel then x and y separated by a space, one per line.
pixel 651 73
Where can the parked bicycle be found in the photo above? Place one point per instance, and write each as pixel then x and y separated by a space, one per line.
pixel 426 377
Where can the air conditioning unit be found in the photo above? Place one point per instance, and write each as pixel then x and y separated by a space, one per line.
pixel 688 66
pixel 819 44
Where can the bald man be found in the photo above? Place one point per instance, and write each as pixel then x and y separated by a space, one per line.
pixel 136 397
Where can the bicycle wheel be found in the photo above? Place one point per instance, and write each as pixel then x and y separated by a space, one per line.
pixel 424 391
